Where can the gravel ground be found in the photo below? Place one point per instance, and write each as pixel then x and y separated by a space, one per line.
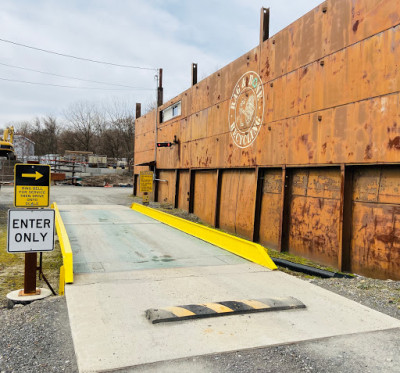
pixel 37 338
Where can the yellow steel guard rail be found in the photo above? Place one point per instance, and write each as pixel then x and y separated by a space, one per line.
pixel 246 249
pixel 65 246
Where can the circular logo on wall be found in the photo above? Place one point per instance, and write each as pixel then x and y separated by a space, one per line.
pixel 246 110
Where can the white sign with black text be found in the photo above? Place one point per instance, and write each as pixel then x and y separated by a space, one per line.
pixel 30 230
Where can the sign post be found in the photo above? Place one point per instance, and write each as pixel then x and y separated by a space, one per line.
pixel 31 230
pixel 146 185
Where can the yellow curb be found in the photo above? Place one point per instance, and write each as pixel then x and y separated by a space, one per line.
pixel 246 249
pixel 65 246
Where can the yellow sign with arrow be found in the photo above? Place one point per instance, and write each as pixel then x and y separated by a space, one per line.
pixel 32 185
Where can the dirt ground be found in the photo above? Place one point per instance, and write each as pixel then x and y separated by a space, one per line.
pixel 125 180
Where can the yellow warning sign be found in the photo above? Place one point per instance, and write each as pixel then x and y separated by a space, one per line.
pixel 146 181
pixel 32 185
pixel 31 196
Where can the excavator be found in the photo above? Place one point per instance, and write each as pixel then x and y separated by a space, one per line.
pixel 6 144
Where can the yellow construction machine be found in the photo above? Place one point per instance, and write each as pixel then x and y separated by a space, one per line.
pixel 6 143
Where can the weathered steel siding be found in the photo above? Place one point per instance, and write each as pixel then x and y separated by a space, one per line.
pixel 166 187
pixel 205 195
pixel 184 190
pixel 314 215
pixel 331 94
pixel 238 189
pixel 375 237
pixel 271 208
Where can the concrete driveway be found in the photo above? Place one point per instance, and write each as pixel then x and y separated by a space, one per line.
pixel 127 263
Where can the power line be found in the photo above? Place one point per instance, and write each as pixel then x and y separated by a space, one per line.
pixel 74 87
pixel 68 77
pixel 77 58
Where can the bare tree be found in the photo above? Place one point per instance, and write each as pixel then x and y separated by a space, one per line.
pixel 86 120
pixel 118 135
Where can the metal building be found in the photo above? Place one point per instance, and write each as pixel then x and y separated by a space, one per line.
pixel 296 144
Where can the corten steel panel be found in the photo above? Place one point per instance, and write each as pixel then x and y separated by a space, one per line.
pixel 315 215
pixel 184 189
pixel 144 142
pixel 205 194
pixel 375 244
pixel 371 16
pixel 217 119
pixel 203 153
pixel 271 206
pixel 144 157
pixel 339 14
pixel 270 144
pixel 185 133
pixel 231 73
pixel 238 189
pixel 366 184
pixel 198 123
pixel 185 149
pixel 247 186
pixel 375 241
pixel 229 195
pixel 186 103
pixel 389 186
pixel 202 97
pixel 166 187
pixel 267 61
pixel 145 123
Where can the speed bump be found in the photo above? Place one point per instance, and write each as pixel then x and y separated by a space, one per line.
pixel 198 311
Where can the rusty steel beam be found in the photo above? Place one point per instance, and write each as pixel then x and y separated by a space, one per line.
pixel 176 194
pixel 191 190
pixel 257 205
pixel 218 199
pixel 160 89
pixel 287 181
pixel 138 110
pixel 264 24
pixel 346 218
pixel 194 74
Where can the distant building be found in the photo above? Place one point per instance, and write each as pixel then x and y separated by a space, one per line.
pixel 24 147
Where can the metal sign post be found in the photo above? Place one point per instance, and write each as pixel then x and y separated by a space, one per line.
pixel 31 230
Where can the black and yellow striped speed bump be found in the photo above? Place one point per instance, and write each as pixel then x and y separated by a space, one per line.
pixel 197 311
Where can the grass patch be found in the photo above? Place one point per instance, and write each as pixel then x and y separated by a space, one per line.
pixel 12 265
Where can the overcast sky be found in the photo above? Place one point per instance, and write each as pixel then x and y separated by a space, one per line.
pixel 170 34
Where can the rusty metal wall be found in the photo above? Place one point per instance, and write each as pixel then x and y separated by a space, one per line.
pixel 236 207
pixel 326 92
pixel 166 187
pixel 271 208
pixel 184 190
pixel 205 195
pixel 315 214
pixel 375 238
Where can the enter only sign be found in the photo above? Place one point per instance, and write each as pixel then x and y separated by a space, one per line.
pixel 30 230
